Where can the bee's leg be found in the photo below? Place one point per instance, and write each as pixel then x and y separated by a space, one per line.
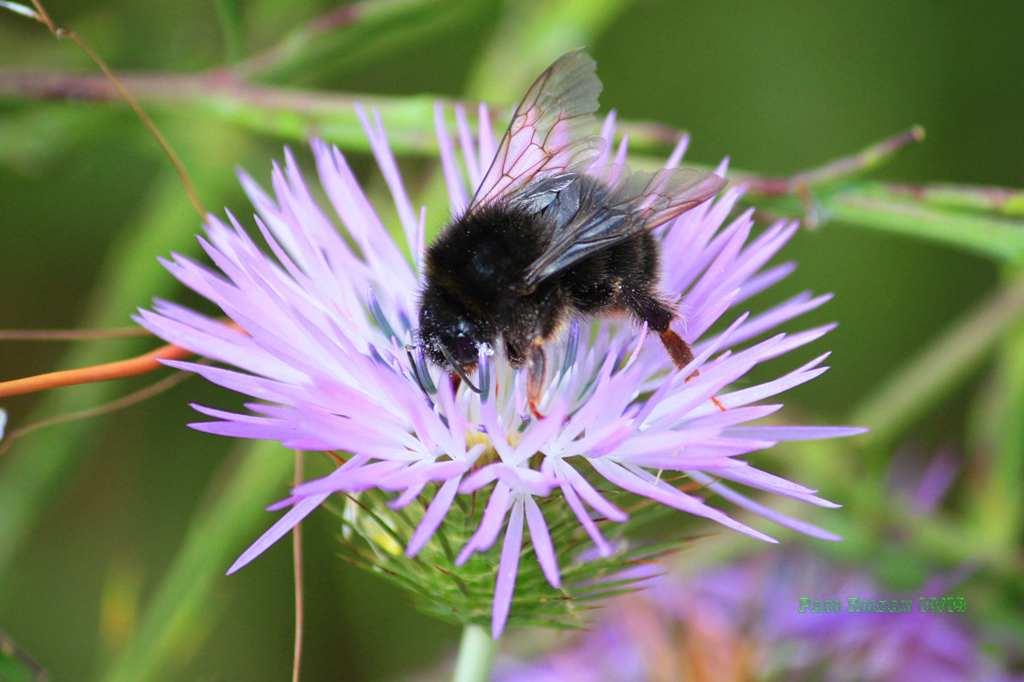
pixel 678 350
pixel 455 380
pixel 682 355
pixel 535 378
pixel 658 317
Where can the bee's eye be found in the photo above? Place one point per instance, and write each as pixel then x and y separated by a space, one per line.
pixel 463 349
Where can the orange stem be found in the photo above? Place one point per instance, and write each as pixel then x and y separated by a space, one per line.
pixel 87 375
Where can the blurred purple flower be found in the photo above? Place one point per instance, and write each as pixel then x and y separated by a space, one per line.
pixel 742 622
pixel 923 484
pixel 326 321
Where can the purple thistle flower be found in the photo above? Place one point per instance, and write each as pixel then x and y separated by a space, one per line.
pixel 327 321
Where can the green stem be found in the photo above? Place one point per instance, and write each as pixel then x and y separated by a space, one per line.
pixel 993 502
pixel 229 13
pixel 297 114
pixel 285 112
pixel 530 35
pixel 179 610
pixel 894 214
pixel 476 655
pixel 1000 200
pixel 354 33
pixel 927 378
pixel 838 169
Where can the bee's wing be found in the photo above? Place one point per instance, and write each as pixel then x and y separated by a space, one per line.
pixel 656 198
pixel 552 129
pixel 637 202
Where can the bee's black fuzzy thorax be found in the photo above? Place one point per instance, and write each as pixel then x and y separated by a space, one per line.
pixel 483 254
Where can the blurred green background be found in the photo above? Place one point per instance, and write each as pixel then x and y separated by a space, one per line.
pixel 94 515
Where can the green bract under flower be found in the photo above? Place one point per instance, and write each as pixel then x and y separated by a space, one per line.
pixel 373 536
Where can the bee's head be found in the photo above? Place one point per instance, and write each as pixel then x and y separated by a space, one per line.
pixel 448 334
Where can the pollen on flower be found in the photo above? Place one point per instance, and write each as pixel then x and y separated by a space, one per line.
pixel 384 541
pixel 369 527
pixel 474 438
pixel 489 453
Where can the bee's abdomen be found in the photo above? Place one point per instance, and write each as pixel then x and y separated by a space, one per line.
pixel 609 278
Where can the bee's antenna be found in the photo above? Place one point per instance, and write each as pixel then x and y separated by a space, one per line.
pixel 422 378
pixel 483 372
pixel 458 368
pixel 380 318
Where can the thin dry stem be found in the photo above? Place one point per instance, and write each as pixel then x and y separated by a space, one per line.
pixel 59 32
pixel 71 334
pixel 126 401
pixel 297 570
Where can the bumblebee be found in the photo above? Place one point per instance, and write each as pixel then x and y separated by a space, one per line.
pixel 551 232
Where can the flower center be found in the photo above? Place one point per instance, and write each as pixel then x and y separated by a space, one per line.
pixel 490 454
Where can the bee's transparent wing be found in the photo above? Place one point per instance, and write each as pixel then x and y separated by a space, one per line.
pixel 552 129
pixel 636 202
pixel 657 198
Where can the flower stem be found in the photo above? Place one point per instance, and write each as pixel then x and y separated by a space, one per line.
pixel 476 654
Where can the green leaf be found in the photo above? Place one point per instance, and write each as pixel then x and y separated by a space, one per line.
pixel 33 471
pixel 929 377
pixel 229 14
pixel 33 137
pixel 888 212
pixel 216 536
pixel 530 36
pixel 997 461
pixel 354 34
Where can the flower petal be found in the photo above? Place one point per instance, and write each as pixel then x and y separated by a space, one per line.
pixel 291 518
pixel 541 539
pixel 507 569
pixel 433 516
